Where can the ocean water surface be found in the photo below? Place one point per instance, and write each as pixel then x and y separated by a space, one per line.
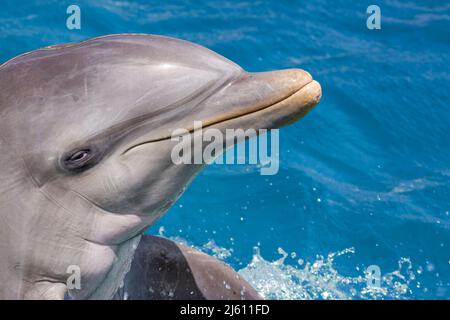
pixel 363 179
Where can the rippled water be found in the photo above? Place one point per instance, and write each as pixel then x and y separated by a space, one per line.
pixel 364 178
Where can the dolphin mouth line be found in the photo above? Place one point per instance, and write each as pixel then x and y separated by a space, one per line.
pixel 235 116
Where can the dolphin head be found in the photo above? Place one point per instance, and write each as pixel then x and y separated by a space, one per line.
pixel 86 132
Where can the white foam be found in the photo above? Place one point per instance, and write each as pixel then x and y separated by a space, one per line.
pixel 318 279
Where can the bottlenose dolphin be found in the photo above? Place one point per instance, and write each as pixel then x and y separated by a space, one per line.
pixel 165 270
pixel 85 150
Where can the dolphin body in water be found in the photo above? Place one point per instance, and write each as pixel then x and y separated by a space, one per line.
pixel 86 168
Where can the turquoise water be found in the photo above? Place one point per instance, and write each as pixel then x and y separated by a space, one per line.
pixel 364 178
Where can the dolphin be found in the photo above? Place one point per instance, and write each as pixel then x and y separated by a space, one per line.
pixel 85 152
pixel 165 270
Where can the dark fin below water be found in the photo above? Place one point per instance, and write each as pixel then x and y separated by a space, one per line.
pixel 164 270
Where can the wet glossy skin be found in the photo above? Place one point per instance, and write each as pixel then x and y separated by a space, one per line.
pixel 165 270
pixel 84 134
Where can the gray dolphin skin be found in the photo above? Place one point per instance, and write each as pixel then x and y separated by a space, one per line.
pixel 165 270
pixel 86 159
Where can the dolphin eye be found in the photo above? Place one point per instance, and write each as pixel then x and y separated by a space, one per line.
pixel 78 160
pixel 79 156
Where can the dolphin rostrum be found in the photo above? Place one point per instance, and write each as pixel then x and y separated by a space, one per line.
pixel 85 150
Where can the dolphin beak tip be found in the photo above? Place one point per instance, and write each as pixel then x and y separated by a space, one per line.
pixel 313 90
pixel 305 98
pixel 307 91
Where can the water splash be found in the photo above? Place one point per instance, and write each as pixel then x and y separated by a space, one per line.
pixel 219 252
pixel 320 280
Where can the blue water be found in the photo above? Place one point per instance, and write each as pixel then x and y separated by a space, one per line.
pixel 367 171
